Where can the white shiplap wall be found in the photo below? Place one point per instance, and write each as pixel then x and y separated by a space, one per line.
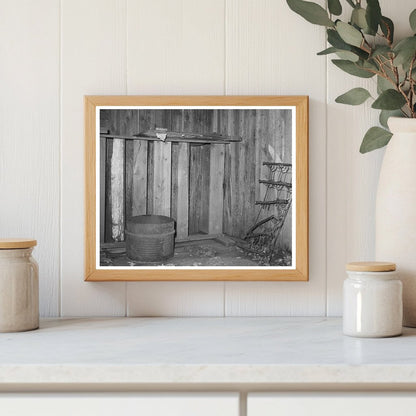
pixel 30 134
pixel 55 51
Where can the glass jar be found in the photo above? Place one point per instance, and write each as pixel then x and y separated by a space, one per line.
pixel 372 300
pixel 19 286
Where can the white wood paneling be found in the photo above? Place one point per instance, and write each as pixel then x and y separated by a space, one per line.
pixel 29 135
pixel 175 299
pixel 173 47
pixel 128 404
pixel 184 54
pixel 328 404
pixel 267 55
pixel 352 178
pixel 93 61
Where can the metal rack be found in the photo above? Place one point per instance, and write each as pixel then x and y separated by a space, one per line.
pixel 263 236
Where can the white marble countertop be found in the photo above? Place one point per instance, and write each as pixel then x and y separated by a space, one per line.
pixel 204 351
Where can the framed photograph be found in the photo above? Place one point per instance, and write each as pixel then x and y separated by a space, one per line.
pixel 196 188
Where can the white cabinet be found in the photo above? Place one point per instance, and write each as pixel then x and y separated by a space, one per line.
pixel 123 404
pixel 331 404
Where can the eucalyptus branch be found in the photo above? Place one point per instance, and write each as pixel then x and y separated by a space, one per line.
pixel 412 86
pixel 368 48
pixel 395 71
pixel 384 73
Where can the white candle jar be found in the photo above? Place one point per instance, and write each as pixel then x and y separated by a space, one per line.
pixel 19 286
pixel 372 300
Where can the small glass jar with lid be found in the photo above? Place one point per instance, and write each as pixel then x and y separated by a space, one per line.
pixel 19 286
pixel 372 300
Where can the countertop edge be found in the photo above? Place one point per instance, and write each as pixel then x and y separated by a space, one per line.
pixel 300 374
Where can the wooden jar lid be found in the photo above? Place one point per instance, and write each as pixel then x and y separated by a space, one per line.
pixel 11 243
pixel 371 266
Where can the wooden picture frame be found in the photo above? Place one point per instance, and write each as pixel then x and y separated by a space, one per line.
pixel 231 112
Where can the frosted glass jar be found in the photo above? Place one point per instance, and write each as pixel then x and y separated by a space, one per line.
pixel 372 300
pixel 19 286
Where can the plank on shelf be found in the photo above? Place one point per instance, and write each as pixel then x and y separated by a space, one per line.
pixel 171 139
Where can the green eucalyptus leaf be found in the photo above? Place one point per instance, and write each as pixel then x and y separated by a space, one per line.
pixel 356 96
pixel 348 56
pixel 383 84
pixel 405 43
pixel 336 41
pixel 352 68
pixel 370 65
pixel 412 20
pixel 405 50
pixel 389 100
pixel 386 114
pixel 334 7
pixel 358 18
pixel 375 138
pixel 373 15
pixel 360 52
pixel 349 34
pixel 381 50
pixel 328 51
pixel 311 12
pixel 386 83
pixel 387 27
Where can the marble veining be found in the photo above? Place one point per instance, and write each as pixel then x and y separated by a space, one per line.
pixel 203 350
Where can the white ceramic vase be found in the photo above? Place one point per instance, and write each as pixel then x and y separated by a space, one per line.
pixel 396 210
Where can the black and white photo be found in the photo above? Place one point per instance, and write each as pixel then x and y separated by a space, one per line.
pixel 202 187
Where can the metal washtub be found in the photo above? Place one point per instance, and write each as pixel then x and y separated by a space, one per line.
pixel 150 238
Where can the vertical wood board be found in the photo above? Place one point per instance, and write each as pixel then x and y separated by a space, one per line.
pixel 86 68
pixel 139 186
pixel 132 171
pixel 195 188
pixel 108 215
pixel 175 298
pixel 162 154
pixel 29 136
pixel 216 189
pixel 186 50
pixel 103 156
pixel 117 190
pixel 182 210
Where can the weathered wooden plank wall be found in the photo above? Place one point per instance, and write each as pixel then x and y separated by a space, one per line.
pixel 187 181
pixel 198 121
pixel 266 138
pixel 160 187
pixel 216 181
pixel 180 178
pixel 120 122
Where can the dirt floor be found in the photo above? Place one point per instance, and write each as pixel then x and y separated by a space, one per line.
pixel 192 253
